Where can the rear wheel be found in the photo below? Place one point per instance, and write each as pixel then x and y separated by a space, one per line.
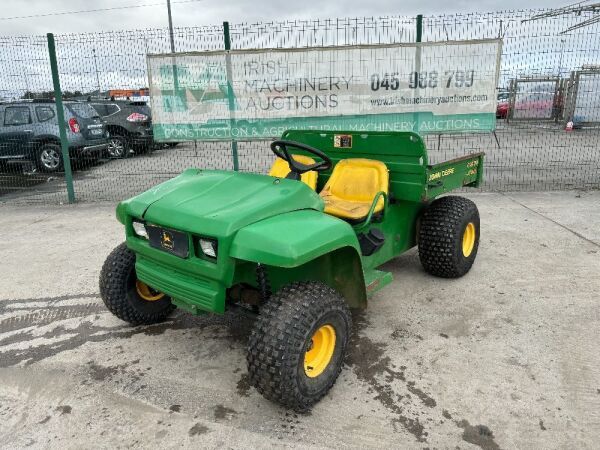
pixel 297 346
pixel 117 147
pixel 125 296
pixel 449 237
pixel 49 158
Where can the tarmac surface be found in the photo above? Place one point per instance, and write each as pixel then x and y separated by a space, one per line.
pixel 506 357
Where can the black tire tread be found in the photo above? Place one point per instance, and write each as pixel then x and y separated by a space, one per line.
pixel 113 282
pixel 278 338
pixel 440 236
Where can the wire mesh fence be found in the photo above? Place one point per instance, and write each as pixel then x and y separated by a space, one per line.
pixel 95 68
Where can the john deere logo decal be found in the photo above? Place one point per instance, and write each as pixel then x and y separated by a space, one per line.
pixel 166 240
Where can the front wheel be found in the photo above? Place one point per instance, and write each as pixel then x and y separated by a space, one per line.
pixel 297 346
pixel 125 296
pixel 49 158
pixel 449 237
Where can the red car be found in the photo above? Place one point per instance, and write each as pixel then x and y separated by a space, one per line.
pixel 503 105
pixel 502 109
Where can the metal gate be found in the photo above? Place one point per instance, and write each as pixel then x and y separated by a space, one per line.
pixel 583 105
pixel 537 99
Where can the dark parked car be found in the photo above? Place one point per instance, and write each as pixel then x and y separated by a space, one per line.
pixel 29 132
pixel 129 123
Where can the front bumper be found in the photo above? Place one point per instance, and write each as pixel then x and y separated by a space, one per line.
pixel 191 292
pixel 187 282
pixel 88 151
pixel 141 141
pixel 141 136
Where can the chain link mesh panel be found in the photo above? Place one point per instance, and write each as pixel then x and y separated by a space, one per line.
pixel 93 67
pixel 24 69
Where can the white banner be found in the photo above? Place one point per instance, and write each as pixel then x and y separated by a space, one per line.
pixel 429 88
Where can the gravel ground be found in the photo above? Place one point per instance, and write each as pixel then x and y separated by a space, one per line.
pixel 505 357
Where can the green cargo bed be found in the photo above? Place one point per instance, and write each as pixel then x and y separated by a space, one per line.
pixel 454 174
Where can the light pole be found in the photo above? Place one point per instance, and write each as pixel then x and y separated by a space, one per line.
pixel 170 26
pixel 96 68
pixel 175 78
pixel 27 92
pixel 562 48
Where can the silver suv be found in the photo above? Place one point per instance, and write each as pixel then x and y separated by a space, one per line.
pixel 29 132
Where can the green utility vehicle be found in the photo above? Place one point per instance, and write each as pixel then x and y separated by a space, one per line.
pixel 298 247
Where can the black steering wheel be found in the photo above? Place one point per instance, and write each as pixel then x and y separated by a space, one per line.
pixel 280 148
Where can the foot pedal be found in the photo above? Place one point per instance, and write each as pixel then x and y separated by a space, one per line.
pixel 371 241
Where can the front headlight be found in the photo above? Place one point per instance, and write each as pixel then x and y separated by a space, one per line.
pixel 140 229
pixel 209 247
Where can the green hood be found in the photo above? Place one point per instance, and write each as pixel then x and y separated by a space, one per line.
pixel 218 203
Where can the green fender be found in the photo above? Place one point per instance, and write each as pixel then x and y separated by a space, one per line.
pixel 305 245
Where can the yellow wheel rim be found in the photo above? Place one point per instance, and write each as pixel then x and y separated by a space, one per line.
pixel 148 294
pixel 319 352
pixel 468 240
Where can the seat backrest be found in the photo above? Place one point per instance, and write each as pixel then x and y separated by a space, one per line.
pixel 358 179
pixel 281 169
pixel 403 152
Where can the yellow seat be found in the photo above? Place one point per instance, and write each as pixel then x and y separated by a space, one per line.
pixel 352 187
pixel 281 169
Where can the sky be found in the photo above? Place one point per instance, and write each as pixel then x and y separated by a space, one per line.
pixel 118 60
pixel 212 12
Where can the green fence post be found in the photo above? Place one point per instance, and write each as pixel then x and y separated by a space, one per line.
pixel 230 96
pixel 60 113
pixel 417 117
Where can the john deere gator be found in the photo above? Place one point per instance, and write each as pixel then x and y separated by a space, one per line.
pixel 298 247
